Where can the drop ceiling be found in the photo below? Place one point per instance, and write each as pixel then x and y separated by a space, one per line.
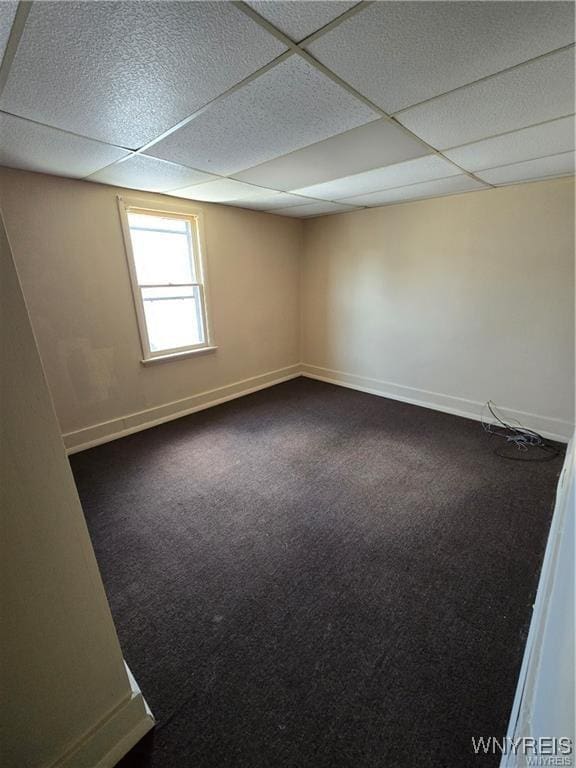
pixel 300 108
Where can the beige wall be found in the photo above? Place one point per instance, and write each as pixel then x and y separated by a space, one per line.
pixel 64 683
pixel 68 247
pixel 449 301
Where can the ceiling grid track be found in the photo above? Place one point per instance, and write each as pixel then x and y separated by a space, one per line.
pixel 22 12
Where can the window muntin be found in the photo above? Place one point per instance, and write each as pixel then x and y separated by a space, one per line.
pixel 167 280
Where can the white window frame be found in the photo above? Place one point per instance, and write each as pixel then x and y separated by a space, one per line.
pixel 198 250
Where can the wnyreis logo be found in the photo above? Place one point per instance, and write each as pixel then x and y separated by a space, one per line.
pixel 541 752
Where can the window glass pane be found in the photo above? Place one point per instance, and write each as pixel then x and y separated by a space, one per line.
pixel 161 249
pixel 161 257
pixel 150 221
pixel 173 317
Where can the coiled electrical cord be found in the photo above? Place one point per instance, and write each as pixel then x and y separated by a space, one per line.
pixel 522 444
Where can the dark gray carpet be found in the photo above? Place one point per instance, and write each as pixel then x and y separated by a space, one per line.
pixel 315 577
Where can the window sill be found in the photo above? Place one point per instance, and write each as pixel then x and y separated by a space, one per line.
pixel 178 355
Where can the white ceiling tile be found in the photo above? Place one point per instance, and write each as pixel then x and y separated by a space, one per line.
pixel 437 188
pixel 298 18
pixel 536 141
pixel 266 202
pixel 538 91
pixel 8 10
pixel 35 147
pixel 400 53
pixel 124 72
pixel 370 146
pixel 290 106
pixel 140 172
pixel 222 191
pixel 421 169
pixel 314 209
pixel 543 167
pixel 239 194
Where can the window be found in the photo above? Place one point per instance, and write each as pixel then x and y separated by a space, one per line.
pixel 165 261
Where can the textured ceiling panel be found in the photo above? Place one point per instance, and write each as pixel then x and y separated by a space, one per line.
pixel 438 188
pixel 124 72
pixel 7 13
pixel 314 209
pixel 299 19
pixel 294 139
pixel 400 53
pixel 290 106
pixel 222 191
pixel 536 141
pixel 370 146
pixel 37 148
pixel 556 165
pixel 266 202
pixel 412 171
pixel 532 93
pixel 139 172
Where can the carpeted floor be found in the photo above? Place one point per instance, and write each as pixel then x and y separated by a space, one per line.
pixel 312 577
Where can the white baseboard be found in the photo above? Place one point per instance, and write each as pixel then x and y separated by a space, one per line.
pixel 106 431
pixel 553 429
pixel 113 737
pixel 79 440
